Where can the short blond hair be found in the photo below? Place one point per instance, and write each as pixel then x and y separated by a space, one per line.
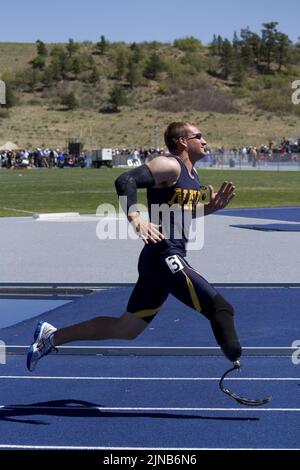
pixel 174 131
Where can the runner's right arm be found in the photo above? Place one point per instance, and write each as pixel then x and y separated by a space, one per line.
pixel 160 172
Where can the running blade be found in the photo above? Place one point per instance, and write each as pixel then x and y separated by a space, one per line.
pixel 241 400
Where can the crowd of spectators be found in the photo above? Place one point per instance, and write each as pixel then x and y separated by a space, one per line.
pixel 38 158
pixel 55 158
pixel 286 151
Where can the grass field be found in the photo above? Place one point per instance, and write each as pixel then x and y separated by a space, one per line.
pixel 82 190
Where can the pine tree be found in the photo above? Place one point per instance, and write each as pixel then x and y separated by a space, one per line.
pixel 102 45
pixel 247 56
pixel 31 78
pixel 245 34
pixel 134 74
pixel 77 66
pixel 49 77
pixel 72 47
pixel 269 32
pixel 282 45
pixel 226 59
pixel 154 66
pixel 38 62
pixel 235 40
pixel 121 64
pixel 255 43
pixel 95 76
pixel 41 48
pixel 213 47
pixel 219 44
pixel 137 52
pixel 61 62
pixel 239 73
pixel 117 97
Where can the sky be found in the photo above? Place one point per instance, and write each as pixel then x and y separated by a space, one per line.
pixel 139 20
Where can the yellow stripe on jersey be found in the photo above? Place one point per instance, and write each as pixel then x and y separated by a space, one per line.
pixel 146 313
pixel 193 294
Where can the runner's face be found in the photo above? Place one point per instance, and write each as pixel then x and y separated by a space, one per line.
pixel 195 143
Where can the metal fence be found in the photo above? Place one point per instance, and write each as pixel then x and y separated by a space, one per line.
pixel 277 162
pixel 228 160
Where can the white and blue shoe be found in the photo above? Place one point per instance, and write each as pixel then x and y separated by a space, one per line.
pixel 42 344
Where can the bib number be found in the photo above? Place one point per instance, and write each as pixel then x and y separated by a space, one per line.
pixel 174 264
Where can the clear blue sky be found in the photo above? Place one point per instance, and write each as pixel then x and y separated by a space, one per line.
pixel 139 20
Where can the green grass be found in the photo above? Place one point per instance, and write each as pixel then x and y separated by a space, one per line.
pixel 82 191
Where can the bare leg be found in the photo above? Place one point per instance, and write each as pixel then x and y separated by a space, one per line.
pixel 125 327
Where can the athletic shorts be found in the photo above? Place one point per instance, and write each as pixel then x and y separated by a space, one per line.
pixel 161 275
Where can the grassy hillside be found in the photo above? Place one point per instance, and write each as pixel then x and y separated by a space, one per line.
pixel 31 126
pixel 186 84
pixel 15 56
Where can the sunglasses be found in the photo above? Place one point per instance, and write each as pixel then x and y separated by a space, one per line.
pixel 195 136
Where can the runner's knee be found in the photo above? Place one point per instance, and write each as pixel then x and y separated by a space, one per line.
pixel 130 326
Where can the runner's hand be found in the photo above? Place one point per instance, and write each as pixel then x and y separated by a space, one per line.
pixel 147 231
pixel 220 199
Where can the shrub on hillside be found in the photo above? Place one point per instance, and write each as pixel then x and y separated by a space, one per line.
pixel 183 82
pixel 201 99
pixel 272 101
pixel 70 101
pixel 196 62
pixel 117 98
pixel 273 94
pixel 189 44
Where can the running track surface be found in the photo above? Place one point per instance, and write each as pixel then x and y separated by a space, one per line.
pixel 157 402
pixel 146 402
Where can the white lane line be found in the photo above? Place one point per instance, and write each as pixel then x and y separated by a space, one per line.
pixel 138 408
pixel 42 377
pixel 16 210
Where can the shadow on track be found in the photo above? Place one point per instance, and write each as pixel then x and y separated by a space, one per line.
pixel 83 409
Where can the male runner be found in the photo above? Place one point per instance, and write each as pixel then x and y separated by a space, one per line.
pixel 162 266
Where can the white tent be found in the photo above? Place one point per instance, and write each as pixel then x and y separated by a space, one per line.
pixel 9 146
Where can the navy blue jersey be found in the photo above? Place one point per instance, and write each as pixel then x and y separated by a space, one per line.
pixel 182 199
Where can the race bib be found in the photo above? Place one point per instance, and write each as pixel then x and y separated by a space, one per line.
pixel 174 264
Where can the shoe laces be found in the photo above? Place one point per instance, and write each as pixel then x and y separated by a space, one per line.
pixel 44 343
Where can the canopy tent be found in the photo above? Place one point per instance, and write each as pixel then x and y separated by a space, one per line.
pixel 9 146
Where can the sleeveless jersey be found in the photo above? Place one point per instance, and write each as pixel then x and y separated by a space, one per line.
pixel 172 208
